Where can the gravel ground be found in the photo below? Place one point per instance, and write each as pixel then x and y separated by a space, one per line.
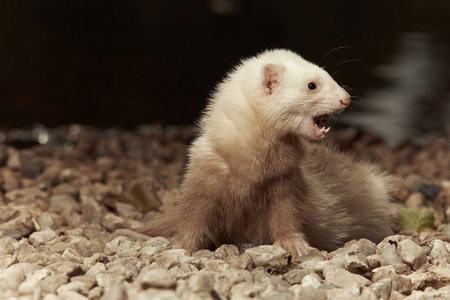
pixel 70 197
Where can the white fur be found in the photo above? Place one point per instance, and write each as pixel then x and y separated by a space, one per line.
pixel 243 103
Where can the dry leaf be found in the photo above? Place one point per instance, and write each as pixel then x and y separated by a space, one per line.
pixel 415 220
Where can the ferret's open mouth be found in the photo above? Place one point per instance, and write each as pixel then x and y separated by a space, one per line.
pixel 319 129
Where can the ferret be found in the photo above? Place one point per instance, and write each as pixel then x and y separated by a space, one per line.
pixel 257 174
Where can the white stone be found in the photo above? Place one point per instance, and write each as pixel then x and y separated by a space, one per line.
pixel 95 293
pixel 113 222
pixel 72 255
pixel 149 250
pixel 42 237
pixel 107 281
pixel 344 279
pixel 89 262
pixel 356 263
pixel 411 254
pixel 127 271
pixel 439 254
pixel 382 288
pixel 344 293
pixel 71 295
pixel 363 246
pixel 201 282
pixel 50 297
pixel 226 250
pixel 392 239
pixel 311 281
pixel 60 202
pixel 156 278
pixel 374 261
pixel 7 245
pixel 261 255
pixel 389 255
pixel 246 290
pixel 215 265
pixel 321 265
pixel 39 273
pixel 308 293
pixel 400 283
pixel 28 286
pixel 13 276
pixel 26 195
pixel 7 260
pixel 156 294
pixel 296 276
pixel 368 294
pixel 122 245
pixel 23 224
pixel 98 268
pixel 242 262
pixel 430 294
pixel 188 268
pixel 77 286
pixel 172 257
pixel 51 283
pixel 224 281
pixel 437 275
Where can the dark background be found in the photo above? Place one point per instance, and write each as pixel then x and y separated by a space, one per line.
pixel 128 62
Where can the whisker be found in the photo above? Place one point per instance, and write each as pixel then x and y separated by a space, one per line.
pixel 331 51
pixel 351 91
pixel 355 98
pixel 344 62
pixel 334 74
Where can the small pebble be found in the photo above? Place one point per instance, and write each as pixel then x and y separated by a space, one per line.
pixel 411 254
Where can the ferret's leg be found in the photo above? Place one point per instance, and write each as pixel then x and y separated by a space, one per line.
pixel 194 229
pixel 285 229
pixel 193 238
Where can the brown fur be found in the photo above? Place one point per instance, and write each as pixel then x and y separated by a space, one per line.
pixel 255 177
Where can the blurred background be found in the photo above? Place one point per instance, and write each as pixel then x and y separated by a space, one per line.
pixel 130 62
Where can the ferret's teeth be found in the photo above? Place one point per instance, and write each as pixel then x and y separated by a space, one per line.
pixel 325 130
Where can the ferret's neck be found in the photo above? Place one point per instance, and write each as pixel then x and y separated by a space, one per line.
pixel 253 148
pixel 283 152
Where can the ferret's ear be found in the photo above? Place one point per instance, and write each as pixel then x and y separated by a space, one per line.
pixel 272 76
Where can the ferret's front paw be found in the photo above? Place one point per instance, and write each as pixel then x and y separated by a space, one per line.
pixel 296 245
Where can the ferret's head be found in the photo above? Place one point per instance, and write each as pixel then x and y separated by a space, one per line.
pixel 298 96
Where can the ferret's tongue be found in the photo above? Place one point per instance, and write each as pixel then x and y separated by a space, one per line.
pixel 321 120
pixel 319 129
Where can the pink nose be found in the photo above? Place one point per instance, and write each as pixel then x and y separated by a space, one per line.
pixel 346 101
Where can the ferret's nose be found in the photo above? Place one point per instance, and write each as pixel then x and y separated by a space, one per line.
pixel 346 101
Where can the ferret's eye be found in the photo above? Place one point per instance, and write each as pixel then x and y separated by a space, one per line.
pixel 312 86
